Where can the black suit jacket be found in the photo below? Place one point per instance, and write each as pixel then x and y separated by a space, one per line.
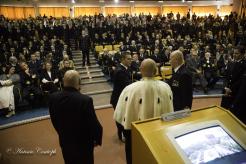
pixel 73 116
pixel 181 85
pixel 122 78
pixel 85 43
pixel 46 76
pixel 239 103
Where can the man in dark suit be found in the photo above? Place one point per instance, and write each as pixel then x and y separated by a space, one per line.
pixel 122 78
pixel 239 103
pixel 84 45
pixel 29 84
pixel 181 82
pixel 234 73
pixel 34 64
pixel 193 65
pixel 49 79
pixel 73 116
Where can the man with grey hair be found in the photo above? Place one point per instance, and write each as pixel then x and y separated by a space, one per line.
pixel 73 116
pixel 141 100
pixel 181 82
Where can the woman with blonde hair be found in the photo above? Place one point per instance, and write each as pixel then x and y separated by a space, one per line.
pixel 66 58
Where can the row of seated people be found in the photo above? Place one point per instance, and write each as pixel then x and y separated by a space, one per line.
pixel 20 50
pixel 21 83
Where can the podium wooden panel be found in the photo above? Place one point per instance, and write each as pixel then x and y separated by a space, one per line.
pixel 151 145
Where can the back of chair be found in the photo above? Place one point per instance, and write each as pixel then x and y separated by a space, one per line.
pixel 99 48
pixel 108 47
pixel 116 47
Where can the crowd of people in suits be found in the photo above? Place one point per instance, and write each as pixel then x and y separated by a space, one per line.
pixel 35 55
pixel 33 61
pixel 36 44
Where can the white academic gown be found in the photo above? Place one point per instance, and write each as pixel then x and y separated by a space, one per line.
pixel 141 100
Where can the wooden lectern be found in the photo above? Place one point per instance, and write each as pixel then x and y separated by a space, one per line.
pixel 151 144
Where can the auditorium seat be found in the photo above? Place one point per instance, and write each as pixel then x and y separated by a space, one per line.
pixel 99 48
pixel 116 47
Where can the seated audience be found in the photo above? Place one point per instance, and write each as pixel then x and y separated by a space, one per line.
pixel 49 79
pixel 9 90
pixel 66 67
pixel 30 85
pixel 66 58
pixel 193 65
pixel 209 70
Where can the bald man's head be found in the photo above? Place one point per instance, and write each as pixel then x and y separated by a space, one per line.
pixel 72 79
pixel 148 68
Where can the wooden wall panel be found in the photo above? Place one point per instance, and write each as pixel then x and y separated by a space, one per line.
pixel 29 11
pixel 147 10
pixel 225 10
pixel 204 10
pixel 54 11
pixel 12 12
pixel 175 9
pixel 117 10
pixel 78 11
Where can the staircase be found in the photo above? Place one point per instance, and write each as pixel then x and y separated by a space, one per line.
pixel 93 81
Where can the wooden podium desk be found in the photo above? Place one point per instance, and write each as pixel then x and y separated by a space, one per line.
pixel 151 145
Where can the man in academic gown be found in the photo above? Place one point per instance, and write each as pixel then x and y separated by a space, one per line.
pixel 142 100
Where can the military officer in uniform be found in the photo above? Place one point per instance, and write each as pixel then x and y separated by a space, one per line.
pixel 181 82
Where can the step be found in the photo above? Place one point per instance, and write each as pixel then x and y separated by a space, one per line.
pixel 98 107
pixel 98 92
pixel 93 80
pixel 80 57
pixel 76 51
pixel 90 71
pixel 101 100
pixel 92 75
pixel 207 96
pixel 79 62
pixel 79 52
pixel 86 69
pixel 89 67
pixel 77 55
pixel 95 87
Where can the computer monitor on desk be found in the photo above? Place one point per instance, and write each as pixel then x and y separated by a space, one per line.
pixel 207 142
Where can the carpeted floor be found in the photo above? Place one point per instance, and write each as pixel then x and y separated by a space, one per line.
pixel 41 135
